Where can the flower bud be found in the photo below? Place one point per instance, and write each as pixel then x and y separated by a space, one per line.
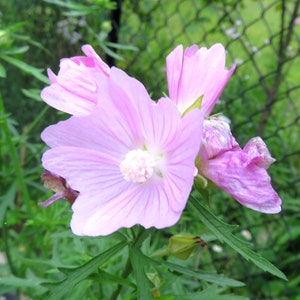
pixel 182 245
pixel 59 186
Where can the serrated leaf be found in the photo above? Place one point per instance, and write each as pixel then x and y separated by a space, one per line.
pixel 139 261
pixel 210 293
pixel 76 275
pixel 224 233
pixel 209 277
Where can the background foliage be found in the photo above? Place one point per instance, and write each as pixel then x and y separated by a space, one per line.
pixel 262 98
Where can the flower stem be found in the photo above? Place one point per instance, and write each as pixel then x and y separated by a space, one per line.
pixel 126 272
pixel 139 237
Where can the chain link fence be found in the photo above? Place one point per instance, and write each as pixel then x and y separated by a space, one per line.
pixel 262 98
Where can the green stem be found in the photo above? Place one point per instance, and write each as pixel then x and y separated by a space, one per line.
pixel 8 253
pixel 126 272
pixel 139 238
pixel 36 121
pixel 14 157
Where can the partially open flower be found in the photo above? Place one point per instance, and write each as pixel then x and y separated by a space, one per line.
pixel 74 90
pixel 240 172
pixel 196 73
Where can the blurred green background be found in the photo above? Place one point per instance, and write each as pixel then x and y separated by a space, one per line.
pixel 262 98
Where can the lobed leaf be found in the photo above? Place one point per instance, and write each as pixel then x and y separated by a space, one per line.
pixel 224 233
pixel 76 275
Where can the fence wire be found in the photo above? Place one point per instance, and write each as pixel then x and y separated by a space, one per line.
pixel 262 98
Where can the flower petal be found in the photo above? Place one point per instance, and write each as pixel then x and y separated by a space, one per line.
pixel 216 139
pixel 74 89
pixel 107 132
pixel 248 183
pixel 258 152
pixel 196 73
pixel 106 201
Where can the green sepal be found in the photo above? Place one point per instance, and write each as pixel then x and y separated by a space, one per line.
pixel 196 105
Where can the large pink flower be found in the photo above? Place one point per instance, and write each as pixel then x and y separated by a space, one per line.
pixel 74 89
pixel 196 73
pixel 131 160
pixel 240 172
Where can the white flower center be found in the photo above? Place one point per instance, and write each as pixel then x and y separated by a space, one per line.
pixel 138 166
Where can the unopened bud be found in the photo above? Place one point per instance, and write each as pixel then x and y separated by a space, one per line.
pixel 182 245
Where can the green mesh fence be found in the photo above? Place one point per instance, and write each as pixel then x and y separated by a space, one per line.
pixel 262 98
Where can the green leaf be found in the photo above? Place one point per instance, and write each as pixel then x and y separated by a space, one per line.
pixel 16 50
pixel 122 47
pixel 16 282
pixel 2 71
pixel 37 73
pixel 7 201
pixel 33 94
pixel 72 5
pixel 76 275
pixel 110 52
pixel 224 233
pixel 209 277
pixel 110 278
pixel 210 293
pixel 139 261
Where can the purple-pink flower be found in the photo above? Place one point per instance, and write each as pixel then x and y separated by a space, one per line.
pixel 123 159
pixel 74 90
pixel 200 75
pixel 130 159
pixel 240 172
pixel 194 73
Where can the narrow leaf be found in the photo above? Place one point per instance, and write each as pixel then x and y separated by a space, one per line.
pixel 2 71
pixel 212 292
pixel 209 277
pixel 37 73
pixel 7 200
pixel 33 94
pixel 139 261
pixel 16 282
pixel 224 233
pixel 110 278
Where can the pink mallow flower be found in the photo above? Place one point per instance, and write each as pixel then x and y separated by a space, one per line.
pixel 74 89
pixel 194 73
pixel 240 172
pixel 132 160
